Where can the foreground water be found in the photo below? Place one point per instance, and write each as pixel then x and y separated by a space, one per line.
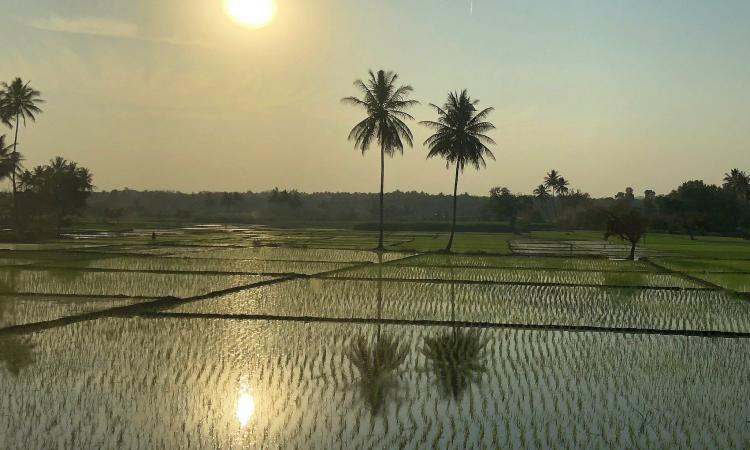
pixel 315 348
pixel 205 383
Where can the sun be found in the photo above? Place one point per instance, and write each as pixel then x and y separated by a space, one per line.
pixel 252 13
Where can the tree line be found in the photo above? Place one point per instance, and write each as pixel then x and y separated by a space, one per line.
pixel 46 197
pixel 460 139
pixel 43 197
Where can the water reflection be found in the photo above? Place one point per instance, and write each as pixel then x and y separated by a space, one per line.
pixel 378 363
pixel 16 353
pixel 9 280
pixel 245 408
pixel 456 356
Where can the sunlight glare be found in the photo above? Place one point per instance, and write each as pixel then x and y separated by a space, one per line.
pixel 245 409
pixel 253 13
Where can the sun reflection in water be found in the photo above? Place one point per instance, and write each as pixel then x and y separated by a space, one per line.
pixel 245 408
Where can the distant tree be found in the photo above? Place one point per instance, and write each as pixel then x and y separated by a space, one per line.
pixel 649 202
pixel 230 199
pixel 18 102
pixel 9 160
pixel 505 205
pixel 738 182
pixel 291 198
pixel 627 198
pixel 541 192
pixel 696 206
pixel 562 186
pixel 551 181
pixel 384 103
pixel 459 139
pixel 208 200
pixel 628 224
pixel 59 189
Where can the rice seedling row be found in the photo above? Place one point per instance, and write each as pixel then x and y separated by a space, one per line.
pixel 534 305
pixel 22 310
pixel 524 389
pixel 122 283
pixel 511 276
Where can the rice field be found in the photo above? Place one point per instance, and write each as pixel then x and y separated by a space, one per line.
pixel 236 337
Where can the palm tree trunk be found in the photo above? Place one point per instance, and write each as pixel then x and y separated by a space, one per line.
pixel 455 200
pixel 382 183
pixel 13 174
pixel 554 208
pixel 632 251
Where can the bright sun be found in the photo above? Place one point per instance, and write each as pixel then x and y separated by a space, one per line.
pixel 253 13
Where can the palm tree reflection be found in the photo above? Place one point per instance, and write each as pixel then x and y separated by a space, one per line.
pixel 16 353
pixel 456 356
pixel 377 363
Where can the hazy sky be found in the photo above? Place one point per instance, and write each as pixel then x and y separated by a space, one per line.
pixel 172 94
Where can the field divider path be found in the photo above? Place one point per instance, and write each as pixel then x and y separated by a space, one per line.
pixel 715 287
pixel 451 323
pixel 132 310
pixel 156 305
pixel 88 296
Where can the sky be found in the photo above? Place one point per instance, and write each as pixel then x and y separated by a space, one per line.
pixel 174 94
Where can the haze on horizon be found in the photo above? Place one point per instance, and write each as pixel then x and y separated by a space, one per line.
pixel 176 95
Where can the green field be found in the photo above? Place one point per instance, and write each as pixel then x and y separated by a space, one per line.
pixel 220 337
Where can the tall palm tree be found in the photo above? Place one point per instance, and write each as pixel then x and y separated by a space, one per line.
pixel 384 103
pixel 459 139
pixel 550 181
pixel 19 102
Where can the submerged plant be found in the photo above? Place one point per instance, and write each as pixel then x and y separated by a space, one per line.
pixel 378 365
pixel 456 359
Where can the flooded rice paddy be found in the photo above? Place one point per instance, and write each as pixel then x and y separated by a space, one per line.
pixel 245 338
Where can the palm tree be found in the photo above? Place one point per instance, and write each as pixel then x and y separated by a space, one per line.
pixel 541 192
pixel 459 138
pixel 9 161
pixel 562 186
pixel 19 101
pixel 384 104
pixel 550 181
pixel 738 182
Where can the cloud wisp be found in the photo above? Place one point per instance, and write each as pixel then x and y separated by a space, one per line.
pixel 103 27
pixel 97 26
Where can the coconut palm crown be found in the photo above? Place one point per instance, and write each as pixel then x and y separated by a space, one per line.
pixel 541 192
